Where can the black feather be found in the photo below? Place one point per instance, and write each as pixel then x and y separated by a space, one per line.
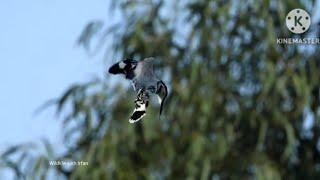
pixel 128 69
pixel 137 115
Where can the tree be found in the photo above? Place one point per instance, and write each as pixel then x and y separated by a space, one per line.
pixel 237 106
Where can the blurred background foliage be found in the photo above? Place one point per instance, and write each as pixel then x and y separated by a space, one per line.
pixel 240 105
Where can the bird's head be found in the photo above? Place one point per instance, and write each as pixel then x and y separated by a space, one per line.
pixel 125 67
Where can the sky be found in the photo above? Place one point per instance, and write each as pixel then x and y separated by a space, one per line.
pixel 39 59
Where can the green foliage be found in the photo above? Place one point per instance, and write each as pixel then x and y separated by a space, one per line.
pixel 237 100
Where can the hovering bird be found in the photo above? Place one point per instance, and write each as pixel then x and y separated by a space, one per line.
pixel 145 82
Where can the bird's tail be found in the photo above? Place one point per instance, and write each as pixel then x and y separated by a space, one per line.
pixel 162 92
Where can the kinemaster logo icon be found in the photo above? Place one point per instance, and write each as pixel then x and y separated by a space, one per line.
pixel 298 21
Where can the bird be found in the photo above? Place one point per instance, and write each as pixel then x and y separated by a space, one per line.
pixel 145 83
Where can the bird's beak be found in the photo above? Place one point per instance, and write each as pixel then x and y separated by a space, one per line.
pixel 115 69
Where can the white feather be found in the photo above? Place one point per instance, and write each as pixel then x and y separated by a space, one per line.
pixel 122 65
pixel 141 108
pixel 159 99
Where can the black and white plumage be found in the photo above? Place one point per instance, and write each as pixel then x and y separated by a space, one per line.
pixel 144 81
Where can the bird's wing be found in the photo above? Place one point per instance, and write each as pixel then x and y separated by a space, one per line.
pixel 141 104
pixel 162 92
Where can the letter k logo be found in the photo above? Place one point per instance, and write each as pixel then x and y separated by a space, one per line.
pixel 298 21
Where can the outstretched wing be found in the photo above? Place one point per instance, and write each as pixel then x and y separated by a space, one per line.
pixel 141 104
pixel 162 92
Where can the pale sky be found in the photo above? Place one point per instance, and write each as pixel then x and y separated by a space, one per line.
pixel 39 60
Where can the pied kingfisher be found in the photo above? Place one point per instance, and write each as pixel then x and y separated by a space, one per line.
pixel 144 81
